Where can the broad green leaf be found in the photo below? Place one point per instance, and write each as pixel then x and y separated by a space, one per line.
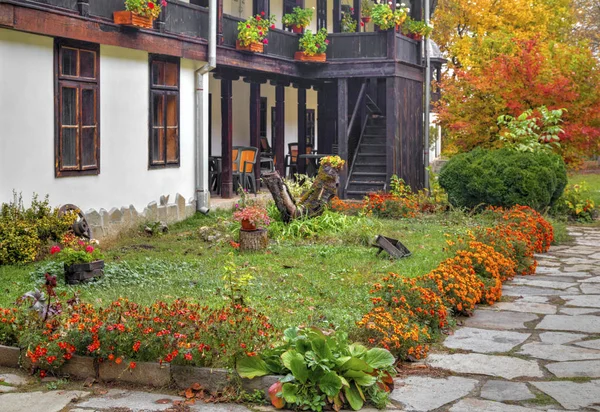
pixel 357 364
pixel 353 397
pixel 302 345
pixel 360 378
pixel 287 378
pixel 290 334
pixel 295 363
pixel 357 350
pixel 290 392
pixel 379 358
pixel 319 346
pixel 344 381
pixel 340 361
pixel 251 367
pixel 330 384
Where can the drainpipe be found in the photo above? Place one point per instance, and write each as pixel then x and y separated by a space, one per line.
pixel 427 97
pixel 201 109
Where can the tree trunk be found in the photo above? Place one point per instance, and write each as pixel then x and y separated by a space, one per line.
pixel 312 202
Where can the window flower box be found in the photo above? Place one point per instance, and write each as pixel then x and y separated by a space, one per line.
pixel 315 58
pixel 129 18
pixel 252 47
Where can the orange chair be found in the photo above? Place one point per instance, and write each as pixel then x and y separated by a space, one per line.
pixel 291 159
pixel 244 172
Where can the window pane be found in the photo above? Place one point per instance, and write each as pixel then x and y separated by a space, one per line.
pixel 88 146
pixel 69 61
pixel 172 137
pixel 69 147
pixel 172 110
pixel 158 105
pixel 87 64
pixel 158 73
pixel 88 113
pixel 158 145
pixel 69 106
pixel 171 74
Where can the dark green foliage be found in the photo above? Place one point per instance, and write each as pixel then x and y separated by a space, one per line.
pixel 504 178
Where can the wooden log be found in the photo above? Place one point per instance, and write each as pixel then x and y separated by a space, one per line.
pixel 253 239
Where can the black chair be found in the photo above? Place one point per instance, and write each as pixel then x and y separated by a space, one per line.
pixel 214 169
pixel 291 159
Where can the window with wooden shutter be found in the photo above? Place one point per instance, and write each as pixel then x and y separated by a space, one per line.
pixel 77 76
pixel 164 112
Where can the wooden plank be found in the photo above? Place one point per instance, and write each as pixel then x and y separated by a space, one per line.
pixel 226 138
pixel 219 21
pixel 280 129
pixel 337 16
pixel 255 126
pixel 7 15
pixel 301 129
pixel 342 131
pixel 392 126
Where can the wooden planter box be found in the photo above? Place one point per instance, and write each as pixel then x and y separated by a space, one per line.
pixel 253 47
pixel 128 18
pixel 81 272
pixel 317 58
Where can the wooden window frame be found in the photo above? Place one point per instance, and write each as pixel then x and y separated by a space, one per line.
pixel 165 90
pixel 310 137
pixel 79 83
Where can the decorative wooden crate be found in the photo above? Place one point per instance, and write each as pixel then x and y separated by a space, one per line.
pixel 317 58
pixel 81 272
pixel 128 18
pixel 252 47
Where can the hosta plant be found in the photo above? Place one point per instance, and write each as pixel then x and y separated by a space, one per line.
pixel 321 370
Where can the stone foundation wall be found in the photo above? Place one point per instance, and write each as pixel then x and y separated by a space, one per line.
pixel 106 224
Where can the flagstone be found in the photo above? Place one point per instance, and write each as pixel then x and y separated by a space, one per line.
pixel 478 405
pixel 590 288
pixel 578 311
pixel 485 340
pixel 531 281
pixel 509 290
pixel 572 395
pixel 527 307
pixel 577 369
pixel 592 344
pixel 560 353
pixel 580 323
pixel 415 392
pixel 501 391
pixel 559 338
pixel 501 366
pixel 585 301
pixel 496 319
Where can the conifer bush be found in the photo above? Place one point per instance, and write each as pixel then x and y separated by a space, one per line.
pixel 504 178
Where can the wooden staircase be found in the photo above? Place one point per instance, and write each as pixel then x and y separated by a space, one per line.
pixel 368 173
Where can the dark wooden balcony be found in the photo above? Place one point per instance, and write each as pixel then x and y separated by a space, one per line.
pixel 369 54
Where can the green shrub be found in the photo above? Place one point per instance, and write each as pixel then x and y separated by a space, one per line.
pixel 24 231
pixel 576 204
pixel 504 178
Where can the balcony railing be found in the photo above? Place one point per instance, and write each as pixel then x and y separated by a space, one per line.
pixel 357 46
pixel 190 20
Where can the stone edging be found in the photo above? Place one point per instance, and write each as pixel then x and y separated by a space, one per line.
pixel 145 373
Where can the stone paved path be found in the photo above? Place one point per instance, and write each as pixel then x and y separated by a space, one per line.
pixel 538 350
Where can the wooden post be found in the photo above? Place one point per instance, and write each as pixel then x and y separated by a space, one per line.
pixel 162 19
pixel 357 12
pixel 226 138
pixel 220 39
pixel 342 131
pixel 337 16
pixel 301 128
pixel 392 127
pixel 255 126
pixel 83 6
pixel 280 128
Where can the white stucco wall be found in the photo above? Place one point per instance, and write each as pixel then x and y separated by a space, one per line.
pixel 241 113
pixel 27 129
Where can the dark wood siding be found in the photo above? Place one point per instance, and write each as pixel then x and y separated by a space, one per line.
pixel 408 50
pixel 105 8
pixel 186 19
pixel 357 45
pixel 410 117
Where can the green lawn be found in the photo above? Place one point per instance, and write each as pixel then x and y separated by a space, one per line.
pixel 300 282
pixel 591 180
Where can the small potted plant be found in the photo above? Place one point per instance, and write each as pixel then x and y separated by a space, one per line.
pixel 82 259
pixel 252 217
pixel 299 19
pixel 252 33
pixel 400 15
pixel 383 16
pixel 366 9
pixel 313 47
pixel 348 23
pixel 416 29
pixel 139 13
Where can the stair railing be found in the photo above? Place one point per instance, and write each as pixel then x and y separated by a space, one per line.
pixel 360 138
pixel 359 103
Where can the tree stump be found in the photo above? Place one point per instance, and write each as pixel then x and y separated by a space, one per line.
pixel 253 239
